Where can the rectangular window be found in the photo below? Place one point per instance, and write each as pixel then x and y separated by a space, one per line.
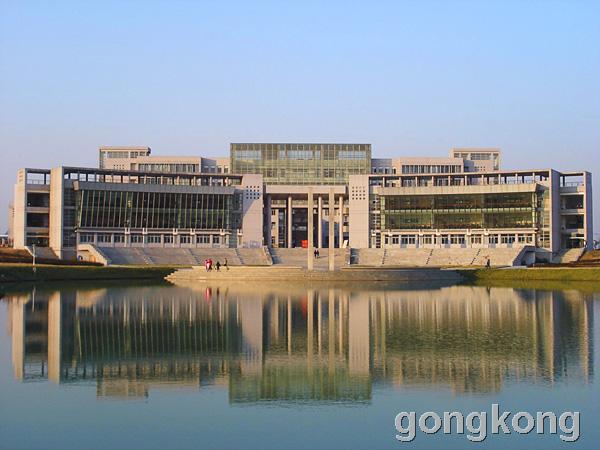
pixel 119 238
pixel 202 239
pixel 426 239
pixel 104 238
pixel 507 239
pixel 185 239
pixel 154 239
pixel 457 239
pixel 137 239
pixel 168 238
pixel 216 239
pixel 409 239
pixel 86 238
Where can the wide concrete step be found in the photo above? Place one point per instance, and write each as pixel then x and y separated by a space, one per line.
pixel 183 256
pixel 291 274
pixel 436 257
pixel 299 257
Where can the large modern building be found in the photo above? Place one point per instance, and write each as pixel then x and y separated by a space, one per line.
pixel 258 196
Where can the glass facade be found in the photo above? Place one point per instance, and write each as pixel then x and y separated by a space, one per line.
pixel 301 163
pixel 157 210
pixel 460 211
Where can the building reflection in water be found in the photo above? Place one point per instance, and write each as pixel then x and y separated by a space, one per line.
pixel 286 343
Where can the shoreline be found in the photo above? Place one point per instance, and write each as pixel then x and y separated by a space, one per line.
pixel 570 274
pixel 17 273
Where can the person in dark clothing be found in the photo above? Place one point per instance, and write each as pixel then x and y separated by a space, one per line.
pixel 488 263
pixel 218 266
pixel 316 253
pixel 225 264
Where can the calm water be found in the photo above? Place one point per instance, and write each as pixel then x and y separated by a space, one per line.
pixel 284 366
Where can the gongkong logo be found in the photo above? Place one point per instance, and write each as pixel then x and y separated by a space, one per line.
pixel 477 426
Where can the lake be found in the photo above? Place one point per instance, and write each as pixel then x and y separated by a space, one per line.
pixel 288 365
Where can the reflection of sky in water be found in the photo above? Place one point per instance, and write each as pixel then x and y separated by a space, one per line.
pixel 284 365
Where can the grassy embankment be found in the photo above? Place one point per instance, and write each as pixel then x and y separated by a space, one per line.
pixel 14 273
pixel 559 274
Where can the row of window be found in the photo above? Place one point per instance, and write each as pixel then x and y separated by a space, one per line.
pixel 119 238
pixel 123 154
pixel 293 147
pixel 459 239
pixel 176 168
pixel 430 168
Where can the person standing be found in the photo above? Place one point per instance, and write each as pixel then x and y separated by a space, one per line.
pixel 225 264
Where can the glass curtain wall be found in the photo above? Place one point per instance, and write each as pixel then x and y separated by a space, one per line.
pixel 510 210
pixel 301 163
pixel 158 210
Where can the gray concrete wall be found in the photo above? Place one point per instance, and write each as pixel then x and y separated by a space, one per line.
pixel 252 220
pixel 358 194
pixel 19 202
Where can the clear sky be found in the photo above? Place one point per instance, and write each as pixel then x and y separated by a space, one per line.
pixel 187 77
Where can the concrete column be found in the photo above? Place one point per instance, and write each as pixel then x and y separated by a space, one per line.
pixel 341 219
pixel 320 224
pixel 331 230
pixel 275 231
pixel 267 222
pixel 310 230
pixel 289 222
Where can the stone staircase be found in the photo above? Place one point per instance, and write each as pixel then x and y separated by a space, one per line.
pixel 297 257
pixel 567 256
pixel 369 257
pixel 436 257
pixel 183 256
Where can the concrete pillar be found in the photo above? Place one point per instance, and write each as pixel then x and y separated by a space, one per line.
pixel 320 224
pixel 275 231
pixel 331 230
pixel 289 222
pixel 267 222
pixel 310 230
pixel 341 219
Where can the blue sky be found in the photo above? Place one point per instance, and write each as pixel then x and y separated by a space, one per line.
pixel 412 78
